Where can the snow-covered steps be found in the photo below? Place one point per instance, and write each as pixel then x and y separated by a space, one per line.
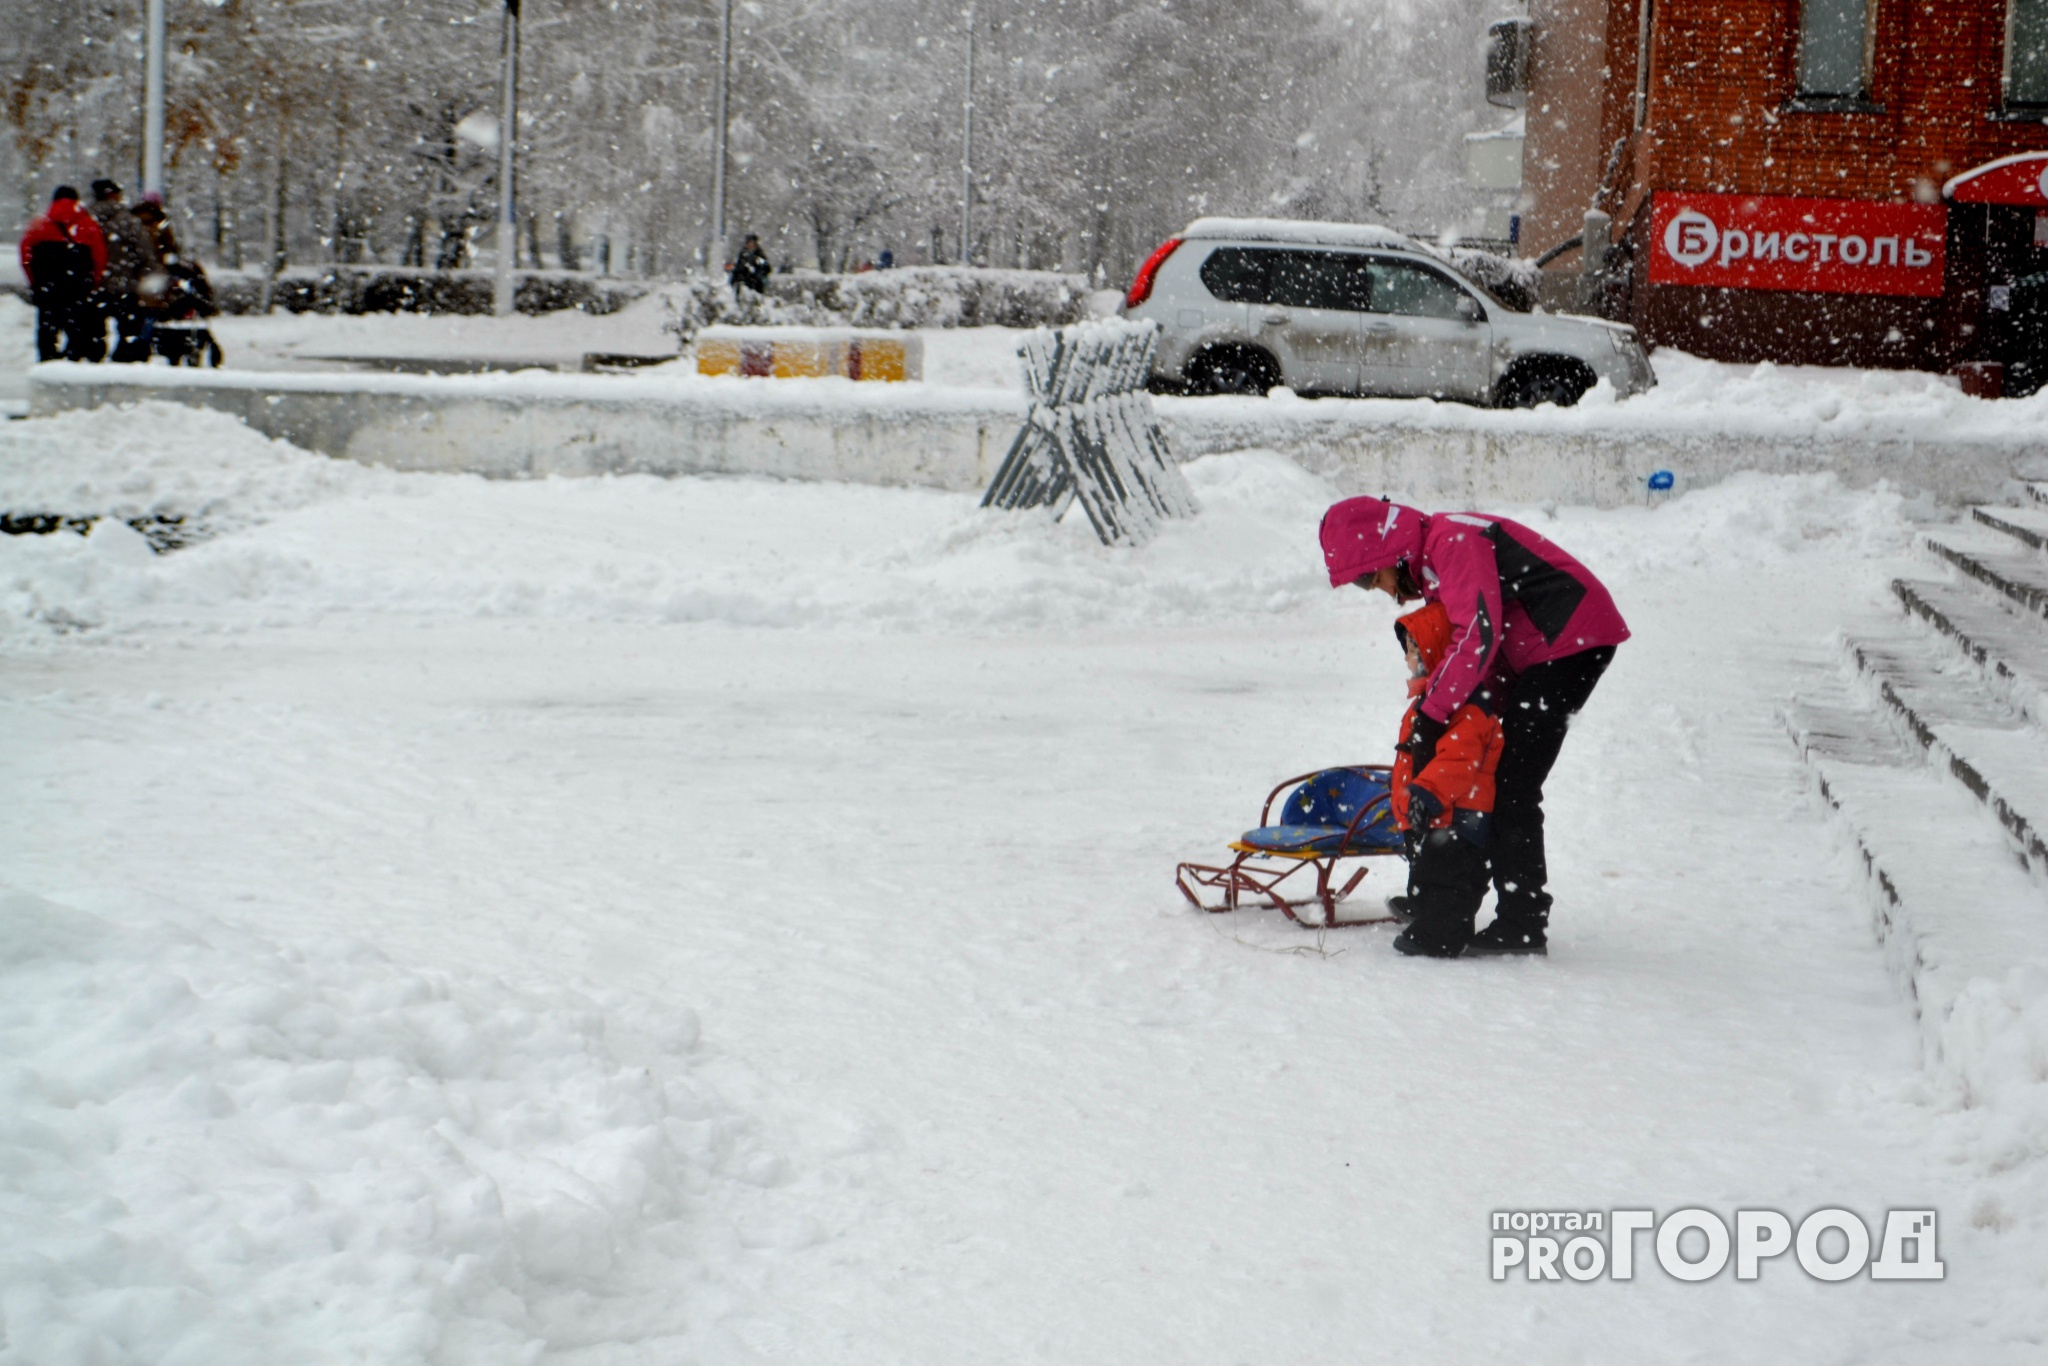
pixel 1999 561
pixel 1949 902
pixel 2010 648
pixel 2027 525
pixel 1944 706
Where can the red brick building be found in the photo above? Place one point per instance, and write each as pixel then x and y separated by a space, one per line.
pixel 1790 179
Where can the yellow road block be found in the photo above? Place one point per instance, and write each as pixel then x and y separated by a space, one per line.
pixel 807 353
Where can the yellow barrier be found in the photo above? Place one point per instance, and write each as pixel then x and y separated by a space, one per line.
pixel 887 357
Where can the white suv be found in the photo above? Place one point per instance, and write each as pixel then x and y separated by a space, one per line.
pixel 1245 304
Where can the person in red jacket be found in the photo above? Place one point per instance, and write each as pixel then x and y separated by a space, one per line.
pixel 1443 796
pixel 64 254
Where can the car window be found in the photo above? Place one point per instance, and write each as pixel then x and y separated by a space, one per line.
pixel 1416 291
pixel 1292 279
pixel 1320 279
pixel 1237 275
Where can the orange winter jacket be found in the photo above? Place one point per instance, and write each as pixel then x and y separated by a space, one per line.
pixel 1460 776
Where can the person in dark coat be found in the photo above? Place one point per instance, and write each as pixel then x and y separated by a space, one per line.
pixel 131 259
pixel 64 254
pixel 751 270
pixel 179 298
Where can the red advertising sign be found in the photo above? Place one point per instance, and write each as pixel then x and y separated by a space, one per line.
pixel 1818 246
pixel 2020 179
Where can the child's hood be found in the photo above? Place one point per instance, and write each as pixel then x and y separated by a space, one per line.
pixel 1429 626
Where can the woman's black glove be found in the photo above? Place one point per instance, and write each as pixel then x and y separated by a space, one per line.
pixel 1422 740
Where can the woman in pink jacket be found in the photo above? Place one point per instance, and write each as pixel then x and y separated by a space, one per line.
pixel 1514 600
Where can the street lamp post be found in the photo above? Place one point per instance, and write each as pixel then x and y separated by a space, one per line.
pixel 153 102
pixel 714 255
pixel 967 152
pixel 508 134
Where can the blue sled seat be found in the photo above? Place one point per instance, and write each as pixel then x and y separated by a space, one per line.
pixel 1317 820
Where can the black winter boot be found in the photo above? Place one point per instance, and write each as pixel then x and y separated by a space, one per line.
pixel 1402 907
pixel 1510 935
pixel 1430 940
pixel 1449 878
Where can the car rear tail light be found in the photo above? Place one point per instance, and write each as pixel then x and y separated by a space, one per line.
pixel 1141 287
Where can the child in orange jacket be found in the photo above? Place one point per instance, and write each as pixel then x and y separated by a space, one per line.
pixel 1442 794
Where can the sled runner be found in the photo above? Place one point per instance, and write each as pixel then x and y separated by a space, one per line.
pixel 1334 814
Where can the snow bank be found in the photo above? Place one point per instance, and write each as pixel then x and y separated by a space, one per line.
pixel 297 538
pixel 1995 1054
pixel 222 1149
pixel 1695 400
pixel 167 461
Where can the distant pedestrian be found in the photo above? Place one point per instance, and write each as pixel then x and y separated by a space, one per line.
pixel 178 299
pixel 751 270
pixel 131 259
pixel 886 261
pixel 63 254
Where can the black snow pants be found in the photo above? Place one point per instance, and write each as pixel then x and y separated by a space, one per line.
pixel 1448 879
pixel 70 329
pixel 1540 707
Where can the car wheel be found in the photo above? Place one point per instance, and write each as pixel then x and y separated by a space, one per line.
pixel 1233 370
pixel 1556 380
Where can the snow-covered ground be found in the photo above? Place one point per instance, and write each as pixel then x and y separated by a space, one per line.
pixel 626 920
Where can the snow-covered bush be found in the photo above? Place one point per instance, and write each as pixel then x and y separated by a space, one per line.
pixel 1511 279
pixel 910 296
pixel 402 289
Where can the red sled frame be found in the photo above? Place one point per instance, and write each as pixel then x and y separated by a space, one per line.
pixel 1243 880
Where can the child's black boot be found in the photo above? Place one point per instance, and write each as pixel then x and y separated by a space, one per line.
pixel 1449 878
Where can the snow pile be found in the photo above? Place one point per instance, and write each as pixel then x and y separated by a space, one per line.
pixel 166 461
pixel 1695 401
pixel 1995 1055
pixel 1746 523
pixel 297 538
pixel 225 1150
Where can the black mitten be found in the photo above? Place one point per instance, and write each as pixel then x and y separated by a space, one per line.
pixel 1423 808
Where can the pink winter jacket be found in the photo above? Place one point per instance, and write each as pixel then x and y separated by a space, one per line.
pixel 1508 592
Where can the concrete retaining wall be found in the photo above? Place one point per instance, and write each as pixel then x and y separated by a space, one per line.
pixel 1514 458
pixel 525 425
pixel 529 425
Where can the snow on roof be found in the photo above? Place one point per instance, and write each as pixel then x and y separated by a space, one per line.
pixel 1297 230
pixel 1515 128
pixel 1949 187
